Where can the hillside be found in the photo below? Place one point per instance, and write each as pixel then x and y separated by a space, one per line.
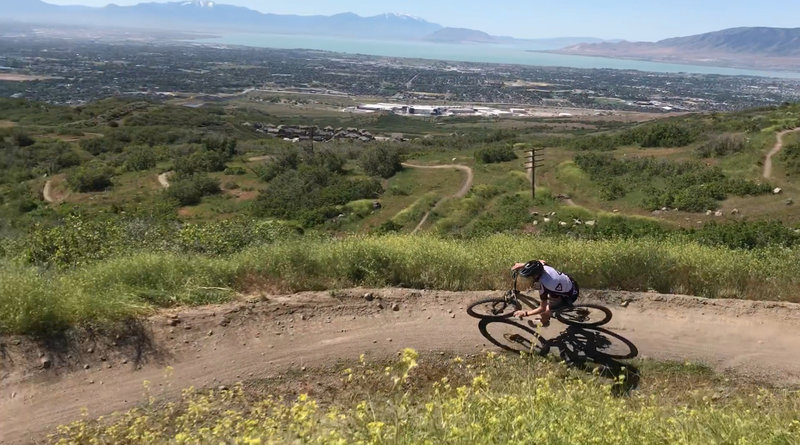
pixel 460 35
pixel 751 47
pixel 211 16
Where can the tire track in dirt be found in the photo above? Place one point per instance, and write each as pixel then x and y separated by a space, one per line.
pixel 756 340
pixel 462 192
pixel 775 150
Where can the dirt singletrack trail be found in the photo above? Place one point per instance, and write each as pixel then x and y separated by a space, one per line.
pixel 775 150
pixel 215 345
pixel 47 192
pixel 163 179
pixel 462 192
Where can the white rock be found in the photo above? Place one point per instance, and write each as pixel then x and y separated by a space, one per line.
pixel 591 223
pixel 547 220
pixel 717 213
pixel 777 191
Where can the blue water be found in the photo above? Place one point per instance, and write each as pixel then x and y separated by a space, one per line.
pixel 475 53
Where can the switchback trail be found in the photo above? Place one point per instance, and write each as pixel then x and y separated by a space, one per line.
pixel 462 192
pixel 272 334
pixel 775 150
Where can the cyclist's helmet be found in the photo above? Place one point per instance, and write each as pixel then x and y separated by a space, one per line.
pixel 531 269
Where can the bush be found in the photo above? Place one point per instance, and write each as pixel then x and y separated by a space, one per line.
pixel 722 145
pixel 791 157
pixel 235 171
pixel 661 134
pixel 381 161
pixel 491 155
pixel 93 177
pixel 593 143
pixel 189 190
pixel 140 157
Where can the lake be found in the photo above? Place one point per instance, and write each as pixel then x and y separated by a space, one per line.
pixel 483 53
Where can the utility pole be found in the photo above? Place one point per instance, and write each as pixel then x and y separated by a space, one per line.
pixel 534 159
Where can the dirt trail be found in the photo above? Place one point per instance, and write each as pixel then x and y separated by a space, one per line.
pixel 462 192
pixel 163 179
pixel 224 344
pixel 775 150
pixel 47 193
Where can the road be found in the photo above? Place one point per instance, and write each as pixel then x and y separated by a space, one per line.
pixel 224 344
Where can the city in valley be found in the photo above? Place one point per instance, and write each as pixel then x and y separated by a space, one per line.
pixel 78 71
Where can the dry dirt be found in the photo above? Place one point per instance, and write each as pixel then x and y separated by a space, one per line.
pixel 266 335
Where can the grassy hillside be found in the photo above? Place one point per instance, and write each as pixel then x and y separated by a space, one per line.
pixel 619 204
pixel 129 285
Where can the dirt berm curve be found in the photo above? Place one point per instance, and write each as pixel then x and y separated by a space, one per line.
pixel 47 383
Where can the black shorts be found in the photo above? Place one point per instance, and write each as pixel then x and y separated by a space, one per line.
pixel 564 299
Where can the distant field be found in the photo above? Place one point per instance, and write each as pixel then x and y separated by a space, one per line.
pixel 11 77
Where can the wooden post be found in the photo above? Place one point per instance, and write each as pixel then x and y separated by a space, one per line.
pixel 534 159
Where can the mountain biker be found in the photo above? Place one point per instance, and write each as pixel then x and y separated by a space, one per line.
pixel 556 289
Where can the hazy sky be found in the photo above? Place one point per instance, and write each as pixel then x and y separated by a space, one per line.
pixel 626 19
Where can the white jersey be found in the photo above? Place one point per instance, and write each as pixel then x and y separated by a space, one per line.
pixel 553 281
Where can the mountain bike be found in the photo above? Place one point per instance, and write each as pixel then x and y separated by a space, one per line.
pixel 496 308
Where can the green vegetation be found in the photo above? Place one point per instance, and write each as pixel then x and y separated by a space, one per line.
pixel 791 157
pixel 339 189
pixel 690 186
pixel 189 188
pixel 722 145
pixel 488 399
pixel 381 161
pixel 127 285
pixel 94 177
pixel 491 155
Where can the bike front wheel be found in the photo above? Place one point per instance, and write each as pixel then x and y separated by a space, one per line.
pixel 493 308
pixel 585 315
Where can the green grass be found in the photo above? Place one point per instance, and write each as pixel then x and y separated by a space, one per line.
pixel 122 287
pixel 485 400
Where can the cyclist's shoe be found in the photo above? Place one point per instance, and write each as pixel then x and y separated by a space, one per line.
pixel 537 322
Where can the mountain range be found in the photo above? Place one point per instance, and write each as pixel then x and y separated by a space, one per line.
pixel 208 16
pixel 749 47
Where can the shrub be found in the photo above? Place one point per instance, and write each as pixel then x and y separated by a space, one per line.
pixel 235 171
pixel 593 143
pixel 722 145
pixel 189 190
pixel 140 157
pixel 491 155
pixel 381 161
pixel 95 176
pixel 791 156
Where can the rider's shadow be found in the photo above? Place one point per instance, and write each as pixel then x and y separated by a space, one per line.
pixel 593 350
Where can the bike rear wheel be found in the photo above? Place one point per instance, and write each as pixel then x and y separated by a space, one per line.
pixel 493 308
pixel 586 315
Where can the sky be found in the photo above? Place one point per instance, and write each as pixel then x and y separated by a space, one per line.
pixel 636 20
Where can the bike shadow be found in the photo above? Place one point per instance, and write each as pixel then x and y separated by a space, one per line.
pixel 594 350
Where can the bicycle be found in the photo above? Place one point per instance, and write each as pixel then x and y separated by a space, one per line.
pixel 497 308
